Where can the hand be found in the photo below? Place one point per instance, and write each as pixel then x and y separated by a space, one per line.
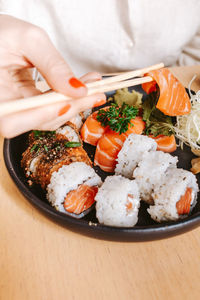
pixel 22 47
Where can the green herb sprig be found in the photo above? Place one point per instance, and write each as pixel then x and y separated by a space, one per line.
pixel 35 148
pixel 41 134
pixel 118 118
pixel 72 144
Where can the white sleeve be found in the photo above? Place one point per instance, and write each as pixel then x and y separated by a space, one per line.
pixel 191 52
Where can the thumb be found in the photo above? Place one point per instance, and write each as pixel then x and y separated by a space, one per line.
pixel 51 64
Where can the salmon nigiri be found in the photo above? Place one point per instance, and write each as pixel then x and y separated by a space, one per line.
pixel 107 150
pixel 92 130
pixel 173 100
pixel 165 143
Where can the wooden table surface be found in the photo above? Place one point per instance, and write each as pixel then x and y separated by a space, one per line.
pixel 41 260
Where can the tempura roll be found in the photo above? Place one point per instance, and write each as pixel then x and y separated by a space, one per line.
pixel 56 157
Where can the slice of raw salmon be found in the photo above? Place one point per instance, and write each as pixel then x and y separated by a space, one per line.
pixel 165 143
pixel 111 143
pixel 183 205
pixel 80 199
pixel 173 100
pixel 138 126
pixel 107 150
pixel 92 130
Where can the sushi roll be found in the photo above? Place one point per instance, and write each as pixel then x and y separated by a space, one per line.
pixel 70 132
pixel 86 113
pixel 32 155
pixel 49 150
pixel 151 170
pixel 73 187
pixel 77 121
pixel 57 156
pixel 42 136
pixel 118 202
pixel 175 196
pixel 80 118
pixel 131 153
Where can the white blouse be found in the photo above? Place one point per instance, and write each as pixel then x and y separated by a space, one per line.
pixel 116 35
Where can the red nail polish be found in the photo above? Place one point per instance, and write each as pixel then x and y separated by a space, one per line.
pixel 99 103
pixel 64 110
pixel 75 83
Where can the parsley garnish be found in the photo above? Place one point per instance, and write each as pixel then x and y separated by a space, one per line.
pixel 117 117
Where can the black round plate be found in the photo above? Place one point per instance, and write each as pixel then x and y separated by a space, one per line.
pixel 145 230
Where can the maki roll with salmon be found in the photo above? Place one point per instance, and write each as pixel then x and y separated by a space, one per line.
pixel 175 196
pixel 73 187
pixel 118 202
pixel 132 152
pixel 150 171
pixel 50 155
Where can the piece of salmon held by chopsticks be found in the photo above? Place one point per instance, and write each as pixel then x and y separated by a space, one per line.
pixel 173 100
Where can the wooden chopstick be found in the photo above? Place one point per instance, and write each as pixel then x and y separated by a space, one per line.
pixel 101 86
pixel 126 75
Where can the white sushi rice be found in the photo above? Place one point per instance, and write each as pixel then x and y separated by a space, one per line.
pixel 77 121
pixel 34 164
pixel 69 132
pixel 67 179
pixel 80 118
pixel 131 153
pixel 113 200
pixel 169 192
pixel 150 171
pixel 87 113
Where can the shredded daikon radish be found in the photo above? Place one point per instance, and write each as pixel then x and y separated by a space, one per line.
pixel 187 128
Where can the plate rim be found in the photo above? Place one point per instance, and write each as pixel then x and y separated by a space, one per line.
pixel 136 233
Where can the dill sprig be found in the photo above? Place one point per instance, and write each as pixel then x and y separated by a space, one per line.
pixel 118 118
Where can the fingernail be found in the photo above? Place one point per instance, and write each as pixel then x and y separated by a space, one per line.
pixel 64 110
pixel 99 103
pixel 75 83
